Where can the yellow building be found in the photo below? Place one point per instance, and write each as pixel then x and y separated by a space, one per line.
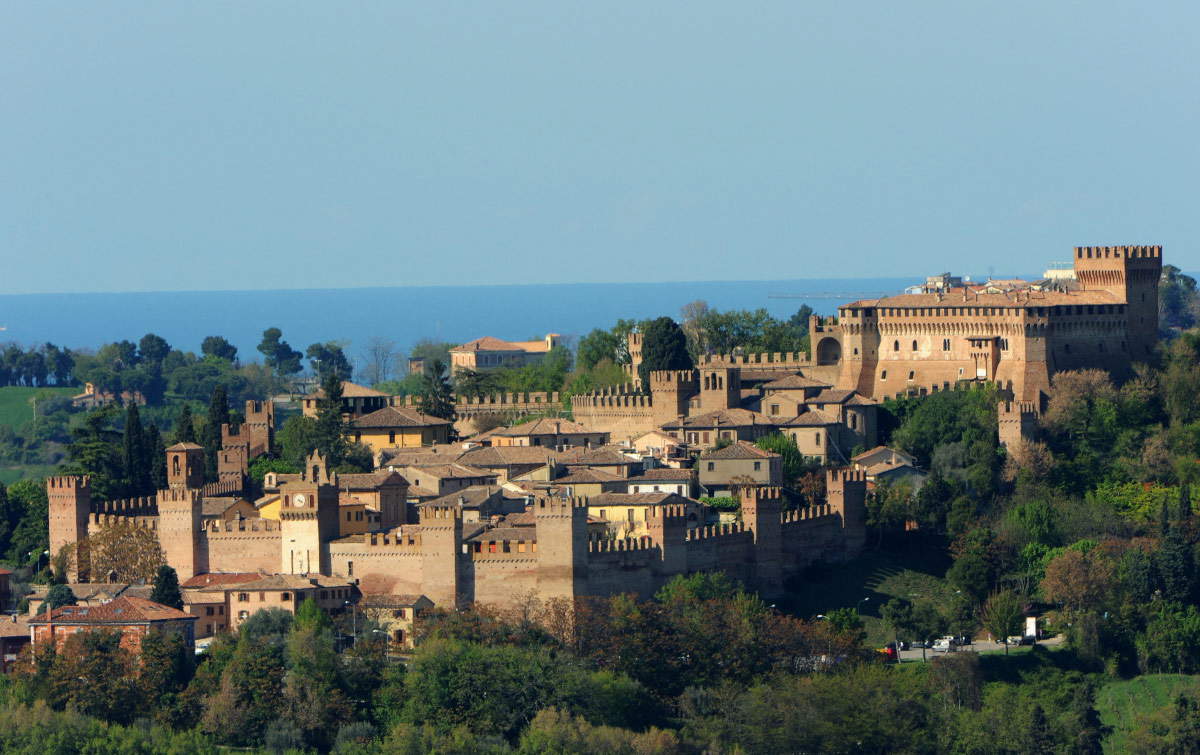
pixel 397 427
pixel 357 400
pixel 625 513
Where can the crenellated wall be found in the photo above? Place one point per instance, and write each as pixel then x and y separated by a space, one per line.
pixel 247 545
pixel 471 412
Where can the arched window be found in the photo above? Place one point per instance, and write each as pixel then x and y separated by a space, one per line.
pixel 914 345
pixel 895 345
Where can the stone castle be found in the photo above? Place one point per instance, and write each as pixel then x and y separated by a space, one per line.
pixel 546 550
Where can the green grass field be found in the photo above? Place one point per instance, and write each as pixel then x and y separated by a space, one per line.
pixel 16 407
pixel 1120 703
pixel 881 575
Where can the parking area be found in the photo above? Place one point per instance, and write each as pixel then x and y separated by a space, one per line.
pixel 979 646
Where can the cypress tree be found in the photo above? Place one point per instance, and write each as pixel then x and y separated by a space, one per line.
pixel 437 397
pixel 1185 503
pixel 664 347
pixel 185 426
pixel 135 457
pixel 157 457
pixel 218 414
pixel 166 588
pixel 330 433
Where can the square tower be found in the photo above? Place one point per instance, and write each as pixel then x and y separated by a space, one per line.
pixel 185 466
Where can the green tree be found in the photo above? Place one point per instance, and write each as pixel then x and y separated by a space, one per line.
pixel 297 438
pixel 312 701
pixel 328 359
pixel 278 354
pixel 153 349
pixel 185 425
pixel 135 456
pixel 329 430
pixel 156 455
pixel 1002 615
pixel 93 450
pixel 218 414
pixel 437 398
pixel 57 597
pixel 664 347
pixel 596 347
pixel 166 588
pixel 219 348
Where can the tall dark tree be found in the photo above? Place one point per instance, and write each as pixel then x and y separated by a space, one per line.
pixel 135 457
pixel 218 414
pixel 185 426
pixel 278 353
pixel 217 346
pixel 330 431
pixel 60 362
pixel 166 588
pixel 329 359
pixel 153 349
pixel 156 457
pixel 95 450
pixel 437 398
pixel 664 347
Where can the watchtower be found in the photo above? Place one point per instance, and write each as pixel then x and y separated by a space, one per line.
pixel 179 531
pixel 70 504
pixel 761 508
pixel 1016 421
pixel 441 545
pixel 720 388
pixel 561 527
pixel 185 466
pixel 846 494
pixel 1131 274
pixel 670 392
pixel 667 525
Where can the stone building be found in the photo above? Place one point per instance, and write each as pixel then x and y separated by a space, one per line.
pixel 133 618
pixel 490 353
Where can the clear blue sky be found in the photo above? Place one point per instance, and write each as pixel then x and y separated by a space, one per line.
pixel 212 145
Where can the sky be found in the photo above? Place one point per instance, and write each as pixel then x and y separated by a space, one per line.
pixel 160 146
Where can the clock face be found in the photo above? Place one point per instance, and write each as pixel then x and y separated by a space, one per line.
pixel 299 500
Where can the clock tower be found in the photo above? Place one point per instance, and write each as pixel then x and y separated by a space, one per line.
pixel 308 519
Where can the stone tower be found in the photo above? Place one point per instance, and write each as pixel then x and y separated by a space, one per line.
pixel 308 519
pixel 185 466
pixel 671 390
pixel 667 525
pixel 860 350
pixel 1131 273
pixel 1017 421
pixel 179 532
pixel 761 508
pixel 846 494
pixel 70 499
pixel 562 541
pixel 441 547
pixel 260 426
pixel 720 388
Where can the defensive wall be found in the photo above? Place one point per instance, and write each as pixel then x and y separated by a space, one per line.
pixel 476 413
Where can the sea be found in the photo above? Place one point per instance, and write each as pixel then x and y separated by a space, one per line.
pixel 402 315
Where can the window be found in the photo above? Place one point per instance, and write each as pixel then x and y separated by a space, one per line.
pixel 774 408
pixel 895 345
pixel 392 437
pixel 220 610
pixel 262 596
pixel 911 374
pixel 630 512
pixel 209 611
pixel 349 568
pixel 347 516
pixel 243 615
pixel 243 597
pixel 853 421
pixel 712 465
pixel 602 516
pixel 945 344
pixel 757 466
pixel 208 629
pixel 883 375
pixel 914 348
pixel 817 438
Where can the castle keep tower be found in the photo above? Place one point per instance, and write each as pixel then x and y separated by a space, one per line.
pixel 561 524
pixel 185 466
pixel 761 508
pixel 441 545
pixel 671 391
pixel 70 499
pixel 1131 274
pixel 179 532
pixel 720 388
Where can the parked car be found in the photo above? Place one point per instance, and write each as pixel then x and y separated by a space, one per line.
pixel 964 639
pixel 944 645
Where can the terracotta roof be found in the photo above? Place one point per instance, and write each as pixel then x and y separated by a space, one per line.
pixel 220 578
pixel 724 418
pixel 377 600
pixel 392 416
pixel 636 499
pixel 810 418
pixel 487 343
pixel 184 447
pixel 584 475
pixel 739 450
pixel 450 471
pixel 528 534
pixel 14 626
pixel 124 610
pixel 659 474
pixel 521 519
pixel 602 456
pixel 880 449
pixel 497 456
pixel 471 497
pixel 792 382
pixel 286 582
pixel 351 390
pixel 545 426
pixel 370 480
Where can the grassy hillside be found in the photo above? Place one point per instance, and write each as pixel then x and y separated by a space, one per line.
pixel 1121 703
pixel 16 407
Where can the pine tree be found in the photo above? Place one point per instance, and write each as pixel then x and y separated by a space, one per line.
pixel 166 588
pixel 218 414
pixel 437 397
pixel 156 457
pixel 330 435
pixel 185 426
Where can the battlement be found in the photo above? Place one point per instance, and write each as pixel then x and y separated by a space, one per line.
pixel 69 482
pixel 392 540
pixel 1012 410
pixel 440 514
pixel 774 358
pixel 709 532
pixel 838 476
pixel 139 519
pixel 1118 252
pixel 179 495
pixel 494 550
pixel 620 544
pixel 551 507
pixel 670 511
pixel 806 514
pixel 139 506
pixel 222 488
pixel 666 380
pixel 753 494
pixel 494 401
pixel 248 526
pixel 610 400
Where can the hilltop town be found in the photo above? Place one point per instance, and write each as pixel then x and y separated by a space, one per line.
pixel 405 505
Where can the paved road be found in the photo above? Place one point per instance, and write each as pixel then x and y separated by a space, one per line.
pixel 976 647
